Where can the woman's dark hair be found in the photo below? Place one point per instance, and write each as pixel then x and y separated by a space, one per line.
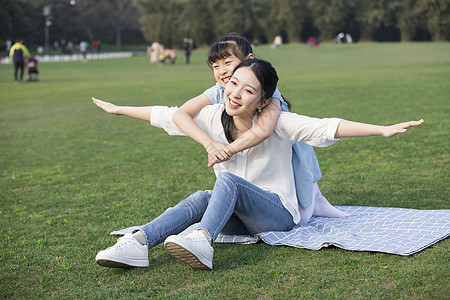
pixel 268 78
pixel 228 45
pixel 265 73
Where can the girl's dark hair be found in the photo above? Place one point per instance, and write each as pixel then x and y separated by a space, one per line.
pixel 228 45
pixel 268 78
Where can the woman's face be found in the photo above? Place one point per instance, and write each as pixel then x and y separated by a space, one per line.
pixel 243 93
pixel 223 69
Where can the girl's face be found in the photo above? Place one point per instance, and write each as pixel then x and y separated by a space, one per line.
pixel 223 69
pixel 243 93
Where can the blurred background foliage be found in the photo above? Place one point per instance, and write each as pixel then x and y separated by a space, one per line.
pixel 121 22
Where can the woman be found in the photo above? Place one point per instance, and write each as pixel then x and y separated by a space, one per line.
pixel 254 191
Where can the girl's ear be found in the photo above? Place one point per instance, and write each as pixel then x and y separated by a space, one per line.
pixel 250 56
pixel 264 103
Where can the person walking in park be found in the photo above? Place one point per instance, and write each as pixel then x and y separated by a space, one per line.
pixel 19 54
pixel 254 192
pixel 188 48
pixel 83 49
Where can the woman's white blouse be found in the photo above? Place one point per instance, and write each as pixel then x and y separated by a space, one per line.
pixel 267 165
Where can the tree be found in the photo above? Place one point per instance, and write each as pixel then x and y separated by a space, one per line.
pixel 197 22
pixel 435 18
pixel 21 19
pixel 332 16
pixel 123 15
pixel 169 21
pixel 379 20
pixel 108 19
pixel 160 20
pixel 232 16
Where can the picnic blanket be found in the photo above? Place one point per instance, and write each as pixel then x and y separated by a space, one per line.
pixel 390 230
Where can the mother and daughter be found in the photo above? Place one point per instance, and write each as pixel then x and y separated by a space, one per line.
pixel 256 185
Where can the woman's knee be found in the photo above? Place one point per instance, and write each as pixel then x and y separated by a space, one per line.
pixel 197 197
pixel 227 176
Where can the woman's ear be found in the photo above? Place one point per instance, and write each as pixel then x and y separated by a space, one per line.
pixel 264 103
pixel 250 56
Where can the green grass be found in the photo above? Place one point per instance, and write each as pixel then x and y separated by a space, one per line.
pixel 70 174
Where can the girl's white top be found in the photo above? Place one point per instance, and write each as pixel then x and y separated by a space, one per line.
pixel 267 165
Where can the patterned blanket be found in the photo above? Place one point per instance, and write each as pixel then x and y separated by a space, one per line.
pixel 398 231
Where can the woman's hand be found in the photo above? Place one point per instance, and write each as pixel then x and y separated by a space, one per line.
pixel 392 130
pixel 106 106
pixel 218 152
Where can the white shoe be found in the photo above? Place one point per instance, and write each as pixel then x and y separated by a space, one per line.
pixel 194 249
pixel 126 253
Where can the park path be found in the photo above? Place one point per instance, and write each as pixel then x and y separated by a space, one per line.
pixel 75 57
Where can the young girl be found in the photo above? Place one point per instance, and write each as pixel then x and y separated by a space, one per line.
pixel 223 56
pixel 254 190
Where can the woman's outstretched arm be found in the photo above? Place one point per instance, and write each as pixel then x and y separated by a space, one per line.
pixel 355 129
pixel 141 113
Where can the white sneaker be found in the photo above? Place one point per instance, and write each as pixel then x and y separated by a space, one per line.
pixel 126 253
pixel 194 249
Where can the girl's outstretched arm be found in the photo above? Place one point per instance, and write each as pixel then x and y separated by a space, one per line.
pixel 183 118
pixel 141 113
pixel 354 129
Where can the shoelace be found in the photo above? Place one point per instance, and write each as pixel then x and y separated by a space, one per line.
pixel 121 242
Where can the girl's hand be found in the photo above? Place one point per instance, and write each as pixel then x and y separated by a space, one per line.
pixel 218 152
pixel 106 106
pixel 392 130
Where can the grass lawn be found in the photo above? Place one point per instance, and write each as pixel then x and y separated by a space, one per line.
pixel 70 174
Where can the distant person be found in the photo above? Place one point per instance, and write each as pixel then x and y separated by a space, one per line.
pixel 69 47
pixel 277 42
pixel 348 38
pixel 155 50
pixel 170 55
pixel 8 45
pixel 33 70
pixel 188 48
pixel 62 46
pixel 83 50
pixel 19 54
pixel 339 38
pixel 313 42
pixel 94 46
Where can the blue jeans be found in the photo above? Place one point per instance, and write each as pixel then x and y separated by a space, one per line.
pixel 235 206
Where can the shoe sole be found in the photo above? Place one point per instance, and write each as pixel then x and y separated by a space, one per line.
pixel 116 263
pixel 113 264
pixel 184 255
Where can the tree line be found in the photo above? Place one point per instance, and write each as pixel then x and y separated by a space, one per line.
pixel 110 21
pixel 169 21
pixel 296 20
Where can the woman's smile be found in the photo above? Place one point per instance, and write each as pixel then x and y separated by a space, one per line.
pixel 233 104
pixel 243 93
